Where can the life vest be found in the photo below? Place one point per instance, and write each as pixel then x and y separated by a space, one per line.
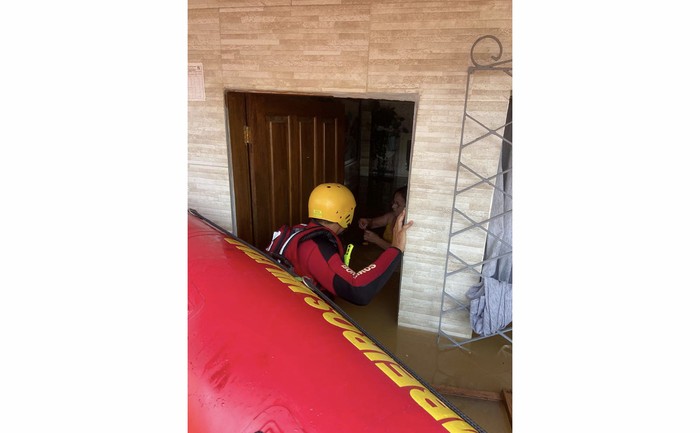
pixel 284 246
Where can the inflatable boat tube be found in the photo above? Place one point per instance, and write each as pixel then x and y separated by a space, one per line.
pixel 268 354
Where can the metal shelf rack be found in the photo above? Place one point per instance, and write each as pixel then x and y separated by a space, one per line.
pixel 459 259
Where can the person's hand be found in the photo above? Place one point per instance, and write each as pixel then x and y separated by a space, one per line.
pixel 371 236
pixel 363 223
pixel 400 231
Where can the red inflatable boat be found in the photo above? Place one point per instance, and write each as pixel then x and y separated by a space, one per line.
pixel 267 354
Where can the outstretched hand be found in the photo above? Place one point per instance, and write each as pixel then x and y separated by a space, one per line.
pixel 370 236
pixel 400 229
pixel 363 223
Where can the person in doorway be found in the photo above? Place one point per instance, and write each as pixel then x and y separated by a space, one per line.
pixel 387 220
pixel 320 257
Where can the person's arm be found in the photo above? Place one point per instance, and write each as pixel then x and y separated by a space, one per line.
pixel 399 234
pixel 326 267
pixel 374 222
pixel 374 238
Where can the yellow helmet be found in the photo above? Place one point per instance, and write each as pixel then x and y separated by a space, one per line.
pixel 332 202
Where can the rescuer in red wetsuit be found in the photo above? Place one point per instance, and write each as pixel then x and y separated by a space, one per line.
pixel 332 205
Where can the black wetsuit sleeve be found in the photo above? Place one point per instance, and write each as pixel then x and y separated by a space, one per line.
pixel 333 275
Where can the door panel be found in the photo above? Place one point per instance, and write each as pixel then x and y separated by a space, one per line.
pixel 280 171
pixel 308 164
pixel 296 142
pixel 240 170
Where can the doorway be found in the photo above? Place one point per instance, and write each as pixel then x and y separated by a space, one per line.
pixel 282 145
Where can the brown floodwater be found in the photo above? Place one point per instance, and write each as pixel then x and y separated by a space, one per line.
pixel 481 370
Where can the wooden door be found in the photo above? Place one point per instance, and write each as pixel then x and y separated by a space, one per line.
pixel 282 146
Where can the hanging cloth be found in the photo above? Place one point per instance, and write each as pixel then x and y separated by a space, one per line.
pixel 490 306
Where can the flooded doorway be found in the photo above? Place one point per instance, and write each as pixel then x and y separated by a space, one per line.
pixel 304 140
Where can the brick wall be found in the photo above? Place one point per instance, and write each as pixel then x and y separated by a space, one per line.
pixel 368 49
